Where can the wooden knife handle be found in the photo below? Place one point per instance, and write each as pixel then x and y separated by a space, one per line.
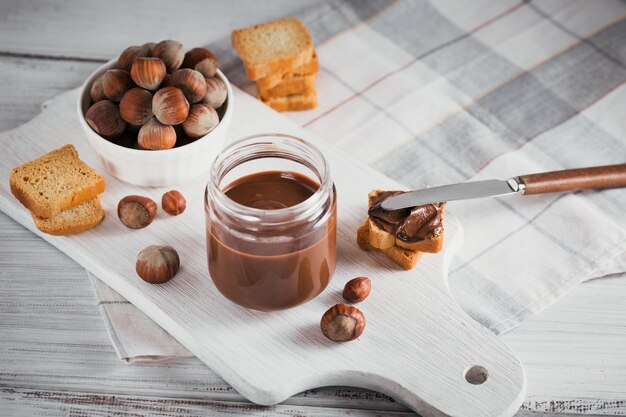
pixel 608 176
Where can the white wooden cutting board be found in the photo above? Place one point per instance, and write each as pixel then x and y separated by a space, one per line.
pixel 417 345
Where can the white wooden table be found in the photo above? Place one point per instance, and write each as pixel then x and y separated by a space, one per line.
pixel 55 356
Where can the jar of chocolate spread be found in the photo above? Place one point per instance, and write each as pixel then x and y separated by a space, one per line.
pixel 271 216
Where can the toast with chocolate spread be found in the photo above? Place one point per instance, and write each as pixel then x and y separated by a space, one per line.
pixel 419 228
pixel 402 235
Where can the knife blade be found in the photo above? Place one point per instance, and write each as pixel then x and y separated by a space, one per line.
pixel 462 191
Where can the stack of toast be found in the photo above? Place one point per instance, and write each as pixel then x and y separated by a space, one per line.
pixel 61 192
pixel 280 57
pixel 406 254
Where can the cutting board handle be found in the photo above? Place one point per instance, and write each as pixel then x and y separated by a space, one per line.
pixel 608 176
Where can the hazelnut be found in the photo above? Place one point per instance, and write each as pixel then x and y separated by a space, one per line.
pixel 154 135
pixel 130 54
pixel 136 211
pixel 104 118
pixel 115 83
pixel 148 72
pixel 136 106
pixel 201 120
pixel 215 92
pixel 357 289
pixel 97 90
pixel 171 53
pixel 150 46
pixel 170 106
pixel 342 323
pixel 206 67
pixel 157 264
pixel 173 202
pixel 191 83
pixel 195 55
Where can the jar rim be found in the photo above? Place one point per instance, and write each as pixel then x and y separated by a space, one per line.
pixel 274 145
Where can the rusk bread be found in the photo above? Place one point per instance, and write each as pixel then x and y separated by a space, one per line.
pixel 381 239
pixel 303 85
pixel 277 47
pixel 74 220
pixel 310 68
pixel 293 102
pixel 55 182
pixel 406 258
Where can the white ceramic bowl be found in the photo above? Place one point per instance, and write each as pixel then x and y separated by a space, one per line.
pixel 154 168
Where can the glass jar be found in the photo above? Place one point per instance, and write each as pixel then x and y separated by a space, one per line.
pixel 266 249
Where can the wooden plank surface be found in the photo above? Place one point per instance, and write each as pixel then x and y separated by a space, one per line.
pixel 52 338
pixel 67 403
pixel 73 29
pixel 26 83
pixel 61 403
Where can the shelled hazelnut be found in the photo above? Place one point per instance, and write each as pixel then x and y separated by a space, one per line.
pixel 173 202
pixel 357 289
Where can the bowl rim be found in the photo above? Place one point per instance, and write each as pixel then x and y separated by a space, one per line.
pixel 195 146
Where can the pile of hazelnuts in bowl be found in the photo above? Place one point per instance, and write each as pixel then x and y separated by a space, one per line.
pixel 158 97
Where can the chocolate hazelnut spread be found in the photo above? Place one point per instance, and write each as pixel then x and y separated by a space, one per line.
pixel 290 264
pixel 271 190
pixel 410 224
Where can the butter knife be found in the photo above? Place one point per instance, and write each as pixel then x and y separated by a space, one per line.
pixel 609 176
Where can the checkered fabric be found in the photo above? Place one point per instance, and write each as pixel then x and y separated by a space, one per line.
pixel 445 91
pixel 439 92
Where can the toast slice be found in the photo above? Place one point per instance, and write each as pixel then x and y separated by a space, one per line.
pixel 55 182
pixel 75 220
pixel 310 68
pixel 406 258
pixel 381 239
pixel 279 47
pixel 300 84
pixel 293 102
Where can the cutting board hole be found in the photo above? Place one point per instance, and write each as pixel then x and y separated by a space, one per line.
pixel 476 375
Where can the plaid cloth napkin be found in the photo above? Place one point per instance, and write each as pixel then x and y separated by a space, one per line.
pixel 446 91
